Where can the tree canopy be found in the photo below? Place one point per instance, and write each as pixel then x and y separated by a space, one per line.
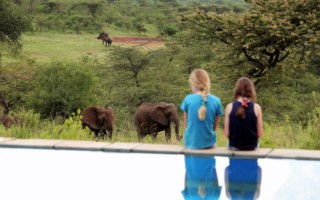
pixel 12 24
pixel 264 36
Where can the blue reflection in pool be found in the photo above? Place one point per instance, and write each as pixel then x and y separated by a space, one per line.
pixel 59 174
pixel 243 179
pixel 201 180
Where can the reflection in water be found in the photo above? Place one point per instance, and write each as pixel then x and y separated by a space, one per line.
pixel 243 179
pixel 201 181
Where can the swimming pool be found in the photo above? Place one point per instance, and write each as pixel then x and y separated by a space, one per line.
pixel 62 174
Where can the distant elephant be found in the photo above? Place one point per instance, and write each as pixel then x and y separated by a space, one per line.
pixel 106 40
pixel 151 118
pixel 7 120
pixel 99 120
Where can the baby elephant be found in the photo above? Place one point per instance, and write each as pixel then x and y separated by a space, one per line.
pixel 7 120
pixel 151 118
pixel 99 120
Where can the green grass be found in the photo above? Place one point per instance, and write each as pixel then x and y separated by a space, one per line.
pixel 289 136
pixel 45 47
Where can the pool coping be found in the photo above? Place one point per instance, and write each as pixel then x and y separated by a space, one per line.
pixel 80 145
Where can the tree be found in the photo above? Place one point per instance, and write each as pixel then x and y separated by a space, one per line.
pixel 258 40
pixel 71 7
pixel 130 60
pixel 12 24
pixel 13 75
pixel 127 64
pixel 139 26
pixel 93 8
pixel 76 22
pixel 51 6
pixel 170 30
pixel 60 89
pixel 110 2
pixel 15 81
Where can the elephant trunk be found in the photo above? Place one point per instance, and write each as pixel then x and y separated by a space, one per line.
pixel 176 123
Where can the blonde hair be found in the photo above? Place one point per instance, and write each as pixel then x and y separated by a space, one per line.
pixel 199 80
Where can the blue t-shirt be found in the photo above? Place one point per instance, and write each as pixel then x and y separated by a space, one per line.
pixel 201 172
pixel 200 134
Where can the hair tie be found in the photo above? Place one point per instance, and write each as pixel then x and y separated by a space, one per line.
pixel 244 102
pixel 204 103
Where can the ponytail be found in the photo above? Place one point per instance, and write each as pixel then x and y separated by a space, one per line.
pixel 240 113
pixel 245 89
pixel 202 112
pixel 200 81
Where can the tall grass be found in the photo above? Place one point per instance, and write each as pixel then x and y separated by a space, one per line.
pixel 285 135
pixel 293 135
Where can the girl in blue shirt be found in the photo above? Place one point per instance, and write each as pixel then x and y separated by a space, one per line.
pixel 201 112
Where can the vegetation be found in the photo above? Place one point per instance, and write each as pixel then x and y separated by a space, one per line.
pixel 52 65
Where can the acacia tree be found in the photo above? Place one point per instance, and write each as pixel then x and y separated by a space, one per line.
pixel 131 60
pixel 93 8
pixel 11 23
pixel 258 40
pixel 127 65
pixel 51 6
pixel 15 81
pixel 14 76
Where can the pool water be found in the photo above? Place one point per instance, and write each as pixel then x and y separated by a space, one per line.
pixel 59 174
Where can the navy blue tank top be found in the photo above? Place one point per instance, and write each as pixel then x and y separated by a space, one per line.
pixel 243 132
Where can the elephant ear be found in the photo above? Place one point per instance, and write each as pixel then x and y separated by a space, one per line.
pixel 90 117
pixel 157 114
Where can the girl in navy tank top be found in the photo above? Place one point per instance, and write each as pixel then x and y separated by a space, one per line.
pixel 243 117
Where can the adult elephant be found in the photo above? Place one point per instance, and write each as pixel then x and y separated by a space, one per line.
pixel 151 118
pixel 99 120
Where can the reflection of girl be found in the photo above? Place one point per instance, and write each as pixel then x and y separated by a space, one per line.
pixel 201 112
pixel 243 179
pixel 201 181
pixel 243 117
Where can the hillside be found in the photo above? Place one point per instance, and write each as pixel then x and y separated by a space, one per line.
pixel 53 66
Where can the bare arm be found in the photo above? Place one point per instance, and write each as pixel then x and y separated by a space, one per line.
pixel 216 121
pixel 258 112
pixel 226 120
pixel 185 119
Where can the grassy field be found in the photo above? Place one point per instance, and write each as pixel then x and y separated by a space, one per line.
pixel 45 47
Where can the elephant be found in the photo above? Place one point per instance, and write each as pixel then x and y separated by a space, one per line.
pixel 7 120
pixel 106 40
pixel 151 118
pixel 99 120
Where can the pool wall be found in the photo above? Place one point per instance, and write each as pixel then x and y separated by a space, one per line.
pixel 156 148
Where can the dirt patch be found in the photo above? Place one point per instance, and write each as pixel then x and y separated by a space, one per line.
pixel 143 41
pixel 136 39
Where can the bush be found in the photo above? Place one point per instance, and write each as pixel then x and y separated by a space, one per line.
pixel 70 129
pixel 60 89
pixel 170 30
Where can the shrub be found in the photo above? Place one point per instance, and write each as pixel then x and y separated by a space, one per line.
pixel 70 129
pixel 60 89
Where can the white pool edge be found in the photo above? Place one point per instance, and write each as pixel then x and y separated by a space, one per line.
pixel 156 148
